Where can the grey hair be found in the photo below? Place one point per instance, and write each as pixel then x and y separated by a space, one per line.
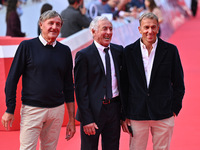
pixel 49 14
pixel 148 15
pixel 95 22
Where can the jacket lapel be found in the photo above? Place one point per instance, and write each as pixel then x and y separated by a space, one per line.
pixel 115 61
pixel 138 59
pixel 159 55
pixel 97 56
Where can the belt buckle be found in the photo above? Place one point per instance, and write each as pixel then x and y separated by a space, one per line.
pixel 106 101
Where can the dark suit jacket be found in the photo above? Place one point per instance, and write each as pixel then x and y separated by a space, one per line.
pixel 73 21
pixel 90 81
pixel 166 89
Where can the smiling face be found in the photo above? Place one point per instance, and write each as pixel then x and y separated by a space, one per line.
pixel 50 28
pixel 103 34
pixel 148 29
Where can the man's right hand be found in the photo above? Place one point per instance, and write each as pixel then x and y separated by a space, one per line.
pixel 90 129
pixel 83 10
pixel 125 125
pixel 7 120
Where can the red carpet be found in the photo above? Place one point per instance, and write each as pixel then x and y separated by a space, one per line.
pixel 187 127
pixel 187 124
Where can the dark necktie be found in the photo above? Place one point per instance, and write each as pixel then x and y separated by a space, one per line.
pixel 108 75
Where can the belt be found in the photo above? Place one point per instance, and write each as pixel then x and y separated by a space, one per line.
pixel 108 101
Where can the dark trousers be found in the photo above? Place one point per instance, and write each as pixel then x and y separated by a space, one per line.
pixel 109 129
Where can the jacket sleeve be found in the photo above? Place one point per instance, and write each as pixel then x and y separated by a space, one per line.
pixel 124 84
pixel 177 83
pixel 83 21
pixel 81 88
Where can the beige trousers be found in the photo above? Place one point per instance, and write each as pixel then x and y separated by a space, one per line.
pixel 44 123
pixel 161 131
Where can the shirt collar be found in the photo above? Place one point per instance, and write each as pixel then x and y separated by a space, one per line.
pixel 153 45
pixel 44 42
pixel 99 46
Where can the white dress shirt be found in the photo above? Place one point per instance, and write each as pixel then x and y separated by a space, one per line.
pixel 148 59
pixel 115 91
pixel 44 42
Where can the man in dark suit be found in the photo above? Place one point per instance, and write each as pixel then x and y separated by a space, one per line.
pixel 152 87
pixel 74 18
pixel 97 88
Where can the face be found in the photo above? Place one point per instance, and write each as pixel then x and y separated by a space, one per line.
pixel 149 29
pixel 104 33
pixel 50 28
pixel 147 3
pixel 126 1
pixel 113 3
pixel 104 2
pixel 19 3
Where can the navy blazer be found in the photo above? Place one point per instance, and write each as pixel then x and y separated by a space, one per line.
pixel 90 81
pixel 166 89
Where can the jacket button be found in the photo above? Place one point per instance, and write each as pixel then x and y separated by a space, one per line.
pixel 148 94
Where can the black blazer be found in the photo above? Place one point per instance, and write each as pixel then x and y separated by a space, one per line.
pixel 90 81
pixel 166 89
